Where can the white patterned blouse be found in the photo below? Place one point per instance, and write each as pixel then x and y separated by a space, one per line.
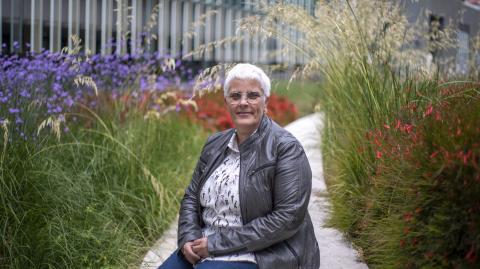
pixel 220 199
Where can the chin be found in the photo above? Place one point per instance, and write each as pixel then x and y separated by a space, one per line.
pixel 245 123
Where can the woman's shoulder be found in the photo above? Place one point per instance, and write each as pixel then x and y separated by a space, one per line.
pixel 282 135
pixel 219 136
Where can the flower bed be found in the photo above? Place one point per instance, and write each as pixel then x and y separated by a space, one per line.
pixel 43 85
pixel 427 161
pixel 102 189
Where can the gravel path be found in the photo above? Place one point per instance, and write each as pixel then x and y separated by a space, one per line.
pixel 335 251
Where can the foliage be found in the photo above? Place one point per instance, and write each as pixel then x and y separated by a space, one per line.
pixel 385 116
pixel 304 94
pixel 105 185
pixel 47 85
pixel 97 198
pixel 431 153
pixel 213 115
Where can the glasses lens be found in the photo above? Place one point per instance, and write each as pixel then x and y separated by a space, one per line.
pixel 236 96
pixel 251 97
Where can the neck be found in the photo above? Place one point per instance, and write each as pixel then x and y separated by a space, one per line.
pixel 242 135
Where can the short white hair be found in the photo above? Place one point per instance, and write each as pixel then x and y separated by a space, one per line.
pixel 247 71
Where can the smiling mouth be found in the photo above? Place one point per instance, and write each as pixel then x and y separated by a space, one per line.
pixel 244 113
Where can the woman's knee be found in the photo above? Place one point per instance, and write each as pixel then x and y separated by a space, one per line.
pixel 225 265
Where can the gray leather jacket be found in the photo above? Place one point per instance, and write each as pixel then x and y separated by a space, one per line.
pixel 274 190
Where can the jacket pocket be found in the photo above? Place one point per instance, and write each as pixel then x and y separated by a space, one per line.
pixel 294 253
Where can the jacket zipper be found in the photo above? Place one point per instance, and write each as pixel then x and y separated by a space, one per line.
pixel 243 210
pixel 261 167
pixel 294 253
pixel 200 186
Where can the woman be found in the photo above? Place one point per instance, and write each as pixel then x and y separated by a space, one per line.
pixel 246 206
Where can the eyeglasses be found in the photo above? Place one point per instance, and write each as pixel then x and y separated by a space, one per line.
pixel 251 97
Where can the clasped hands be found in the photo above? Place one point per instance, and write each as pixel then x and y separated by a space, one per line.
pixel 195 250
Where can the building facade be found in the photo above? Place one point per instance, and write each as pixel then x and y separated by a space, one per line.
pixel 462 16
pixel 130 26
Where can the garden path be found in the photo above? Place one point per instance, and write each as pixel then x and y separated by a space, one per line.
pixel 335 251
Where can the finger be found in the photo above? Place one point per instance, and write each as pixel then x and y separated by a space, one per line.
pixel 196 250
pixel 196 242
pixel 192 253
pixel 191 259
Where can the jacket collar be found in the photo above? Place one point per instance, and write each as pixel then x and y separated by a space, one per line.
pixel 257 135
pixel 222 148
pixel 261 131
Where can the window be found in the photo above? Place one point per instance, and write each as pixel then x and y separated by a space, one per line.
pixel 463 50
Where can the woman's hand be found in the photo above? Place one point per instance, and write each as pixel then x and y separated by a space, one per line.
pixel 189 254
pixel 200 247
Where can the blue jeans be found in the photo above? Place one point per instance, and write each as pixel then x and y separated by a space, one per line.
pixel 176 261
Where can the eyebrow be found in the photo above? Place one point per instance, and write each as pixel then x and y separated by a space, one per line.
pixel 237 91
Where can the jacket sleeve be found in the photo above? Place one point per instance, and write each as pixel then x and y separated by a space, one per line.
pixel 291 193
pixel 189 224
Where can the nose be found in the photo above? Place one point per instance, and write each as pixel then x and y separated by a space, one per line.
pixel 243 100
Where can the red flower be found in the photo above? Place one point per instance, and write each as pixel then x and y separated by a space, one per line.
pixel 398 125
pixel 471 255
pixel 428 255
pixel 379 154
pixel 408 128
pixel 428 111
pixel 407 217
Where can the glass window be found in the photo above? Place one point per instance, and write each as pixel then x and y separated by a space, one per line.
pixel 463 51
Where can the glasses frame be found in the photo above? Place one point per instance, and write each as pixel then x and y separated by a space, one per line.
pixel 245 95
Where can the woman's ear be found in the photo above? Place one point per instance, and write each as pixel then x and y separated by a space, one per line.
pixel 266 104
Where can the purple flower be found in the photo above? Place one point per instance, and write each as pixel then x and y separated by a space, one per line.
pixel 25 93
pixel 68 102
pixel 143 84
pixel 13 110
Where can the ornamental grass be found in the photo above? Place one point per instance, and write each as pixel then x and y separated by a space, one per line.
pixel 400 142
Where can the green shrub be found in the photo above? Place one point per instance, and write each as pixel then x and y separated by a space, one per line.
pixel 426 165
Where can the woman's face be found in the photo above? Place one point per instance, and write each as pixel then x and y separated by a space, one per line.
pixel 246 103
